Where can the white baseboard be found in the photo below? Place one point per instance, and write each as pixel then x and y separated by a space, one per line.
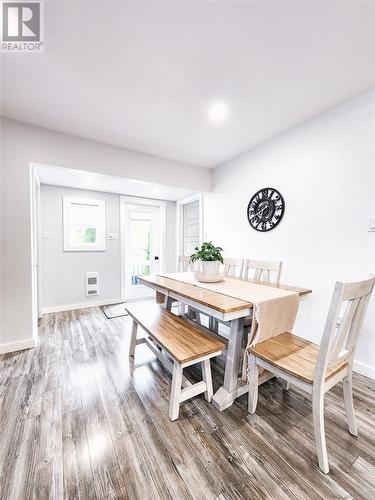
pixel 363 369
pixel 81 305
pixel 20 345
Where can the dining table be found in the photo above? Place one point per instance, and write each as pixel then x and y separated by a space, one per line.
pixel 218 302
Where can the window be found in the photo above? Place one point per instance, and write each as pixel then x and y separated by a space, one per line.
pixel 84 224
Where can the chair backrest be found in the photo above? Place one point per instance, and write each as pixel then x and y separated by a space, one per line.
pixel 343 325
pixel 233 268
pixel 184 263
pixel 260 270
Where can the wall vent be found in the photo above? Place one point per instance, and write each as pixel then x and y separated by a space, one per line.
pixel 92 283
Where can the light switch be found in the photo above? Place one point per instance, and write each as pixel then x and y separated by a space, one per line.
pixel 113 236
pixel 45 235
pixel 371 224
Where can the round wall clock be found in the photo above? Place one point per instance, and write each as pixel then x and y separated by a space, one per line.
pixel 266 209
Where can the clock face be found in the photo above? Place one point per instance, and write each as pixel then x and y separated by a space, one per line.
pixel 266 209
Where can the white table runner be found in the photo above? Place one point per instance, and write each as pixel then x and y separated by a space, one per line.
pixel 274 309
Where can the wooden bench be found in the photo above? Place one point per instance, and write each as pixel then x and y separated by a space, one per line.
pixel 182 344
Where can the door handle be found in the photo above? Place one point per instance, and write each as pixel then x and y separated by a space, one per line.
pixel 156 257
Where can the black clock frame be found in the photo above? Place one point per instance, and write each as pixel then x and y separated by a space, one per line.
pixel 275 224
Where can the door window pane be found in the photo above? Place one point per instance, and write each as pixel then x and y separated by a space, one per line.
pixel 141 228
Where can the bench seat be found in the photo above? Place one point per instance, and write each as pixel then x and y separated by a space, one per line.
pixel 183 342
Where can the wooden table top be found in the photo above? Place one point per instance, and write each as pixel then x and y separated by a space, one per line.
pixel 215 300
pixel 301 291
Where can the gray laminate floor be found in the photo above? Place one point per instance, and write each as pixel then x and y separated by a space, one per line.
pixel 78 421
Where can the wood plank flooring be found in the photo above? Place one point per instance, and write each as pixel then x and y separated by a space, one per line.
pixel 80 421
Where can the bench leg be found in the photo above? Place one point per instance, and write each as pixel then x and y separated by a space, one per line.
pixel 133 338
pixel 206 372
pixel 174 404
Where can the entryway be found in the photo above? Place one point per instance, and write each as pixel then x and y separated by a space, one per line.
pixel 142 248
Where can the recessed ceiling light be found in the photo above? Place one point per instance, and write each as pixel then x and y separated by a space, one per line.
pixel 217 111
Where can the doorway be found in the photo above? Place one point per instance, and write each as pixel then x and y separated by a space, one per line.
pixel 142 245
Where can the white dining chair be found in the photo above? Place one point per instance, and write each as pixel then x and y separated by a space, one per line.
pixel 262 270
pixel 265 271
pixel 317 369
pixel 184 264
pixel 233 268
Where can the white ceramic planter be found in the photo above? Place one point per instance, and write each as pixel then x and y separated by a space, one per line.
pixel 210 268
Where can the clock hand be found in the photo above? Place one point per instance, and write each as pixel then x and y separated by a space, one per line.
pixel 260 211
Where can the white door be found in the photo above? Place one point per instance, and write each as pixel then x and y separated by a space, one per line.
pixel 190 227
pixel 141 247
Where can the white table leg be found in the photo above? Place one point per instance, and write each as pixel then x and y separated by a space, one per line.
pixel 168 301
pixel 226 395
pixel 190 313
pixel 213 324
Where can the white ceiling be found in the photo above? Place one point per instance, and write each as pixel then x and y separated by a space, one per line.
pixel 80 179
pixel 142 74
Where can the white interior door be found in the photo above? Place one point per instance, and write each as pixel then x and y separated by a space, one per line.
pixel 141 247
pixel 191 227
pixel 189 224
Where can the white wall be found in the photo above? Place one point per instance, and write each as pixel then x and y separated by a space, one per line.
pixel 63 273
pixel 66 288
pixel 325 170
pixel 22 144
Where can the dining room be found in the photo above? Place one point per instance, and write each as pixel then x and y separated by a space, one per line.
pixel 188 250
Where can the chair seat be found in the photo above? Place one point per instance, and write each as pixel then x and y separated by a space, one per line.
pixel 293 355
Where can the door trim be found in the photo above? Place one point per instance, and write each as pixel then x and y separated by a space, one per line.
pixel 133 200
pixel 179 221
pixel 36 265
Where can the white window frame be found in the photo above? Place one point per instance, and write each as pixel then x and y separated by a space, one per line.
pixel 99 246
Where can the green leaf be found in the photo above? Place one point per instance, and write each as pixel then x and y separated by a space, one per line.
pixel 208 253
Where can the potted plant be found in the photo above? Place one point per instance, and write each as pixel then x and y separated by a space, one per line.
pixel 210 256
